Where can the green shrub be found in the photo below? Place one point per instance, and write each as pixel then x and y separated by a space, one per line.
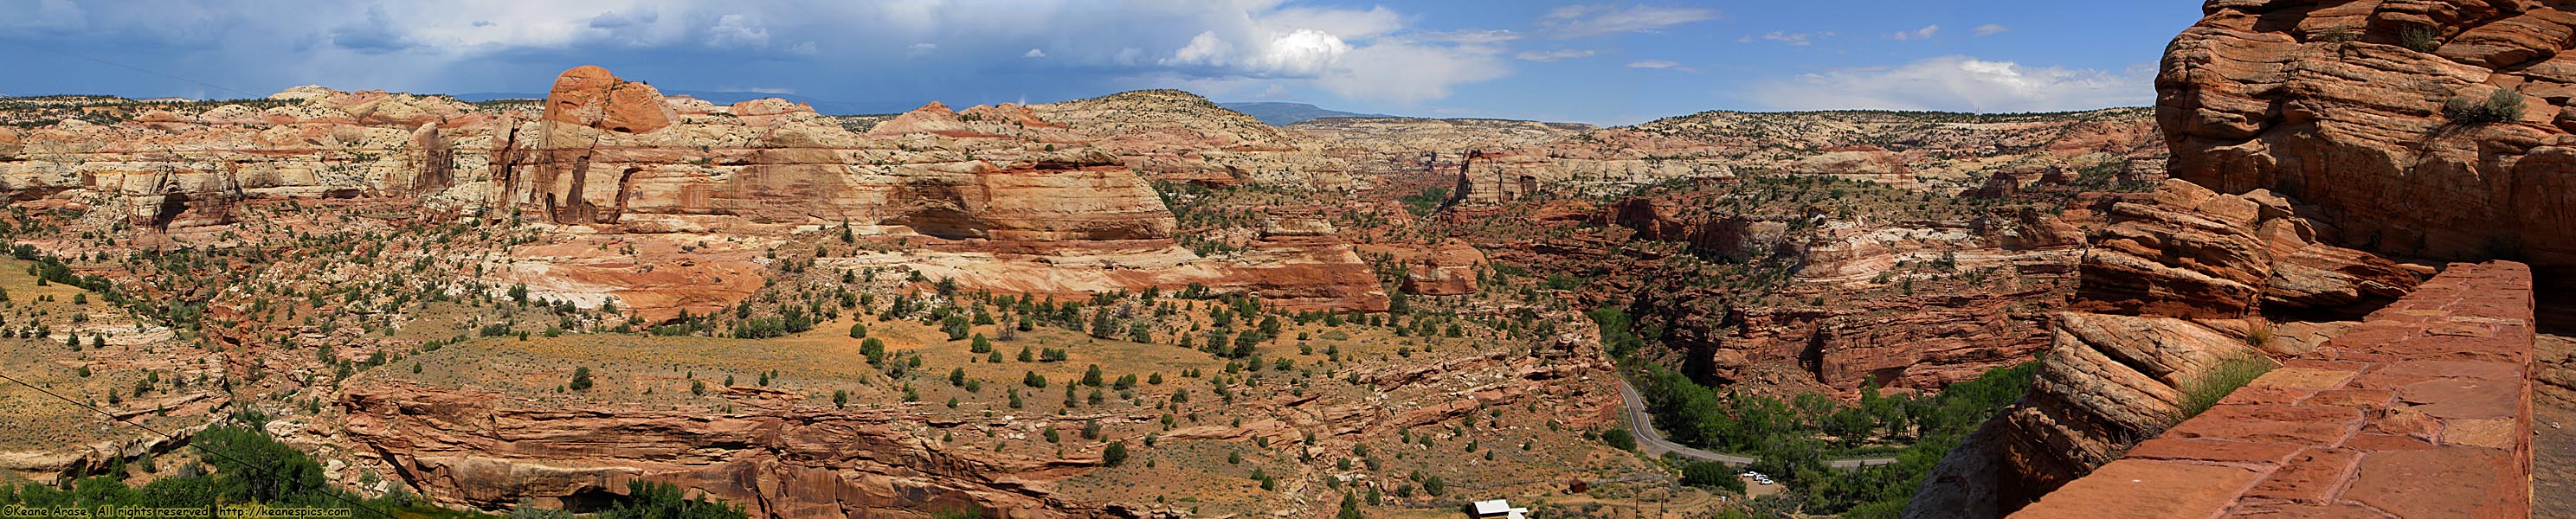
pixel 2339 35
pixel 2421 39
pixel 1710 474
pixel 2206 390
pixel 662 501
pixel 2503 105
pixel 1619 439
pixel 1115 454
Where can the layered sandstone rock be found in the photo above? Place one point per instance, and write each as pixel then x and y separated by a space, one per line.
pixel 609 153
pixel 1737 237
pixel 2340 104
pixel 2188 252
pixel 478 450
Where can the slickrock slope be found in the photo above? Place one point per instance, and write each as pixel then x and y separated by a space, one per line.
pixel 2341 104
pixel 2422 411
pixel 1178 135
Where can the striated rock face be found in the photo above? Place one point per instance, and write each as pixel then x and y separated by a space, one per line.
pixel 1733 236
pixel 1304 266
pixel 1925 342
pixel 475 449
pixel 2185 251
pixel 2340 104
pixel 1921 342
pixel 608 154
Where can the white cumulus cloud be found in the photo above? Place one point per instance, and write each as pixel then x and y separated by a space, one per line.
pixel 1033 54
pixel 1991 29
pixel 1924 33
pixel 1959 83
pixel 1407 72
pixel 734 30
pixel 1298 53
pixel 1656 64
pixel 1303 52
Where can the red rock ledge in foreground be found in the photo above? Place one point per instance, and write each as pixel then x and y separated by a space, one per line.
pixel 2424 411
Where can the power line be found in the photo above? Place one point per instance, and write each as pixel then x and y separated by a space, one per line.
pixel 135 68
pixel 261 467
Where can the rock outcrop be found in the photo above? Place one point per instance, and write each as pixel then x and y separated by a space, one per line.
pixel 2184 251
pixel 2180 281
pixel 610 152
pixel 2424 410
pixel 1449 270
pixel 1736 237
pixel 477 450
pixel 2342 104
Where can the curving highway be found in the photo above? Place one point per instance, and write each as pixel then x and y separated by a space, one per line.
pixel 1652 441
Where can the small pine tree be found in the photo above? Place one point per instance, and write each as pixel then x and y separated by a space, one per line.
pixel 1114 454
pixel 580 378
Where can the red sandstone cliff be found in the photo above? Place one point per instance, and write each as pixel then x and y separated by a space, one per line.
pixel 2340 104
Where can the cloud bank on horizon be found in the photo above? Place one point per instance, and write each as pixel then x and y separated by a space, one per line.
pixel 1580 61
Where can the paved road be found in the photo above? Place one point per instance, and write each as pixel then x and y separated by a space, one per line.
pixel 1653 443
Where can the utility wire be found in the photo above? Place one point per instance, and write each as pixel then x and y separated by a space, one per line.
pixel 261 467
pixel 134 68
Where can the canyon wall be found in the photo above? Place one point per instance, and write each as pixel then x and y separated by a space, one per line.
pixel 2342 104
pixel 1050 188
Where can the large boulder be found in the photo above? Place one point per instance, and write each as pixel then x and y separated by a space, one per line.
pixel 2186 251
pixel 590 96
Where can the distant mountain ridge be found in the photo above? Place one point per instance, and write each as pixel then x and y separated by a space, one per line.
pixel 1283 114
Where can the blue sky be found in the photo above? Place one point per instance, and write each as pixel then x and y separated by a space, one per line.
pixel 1607 63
